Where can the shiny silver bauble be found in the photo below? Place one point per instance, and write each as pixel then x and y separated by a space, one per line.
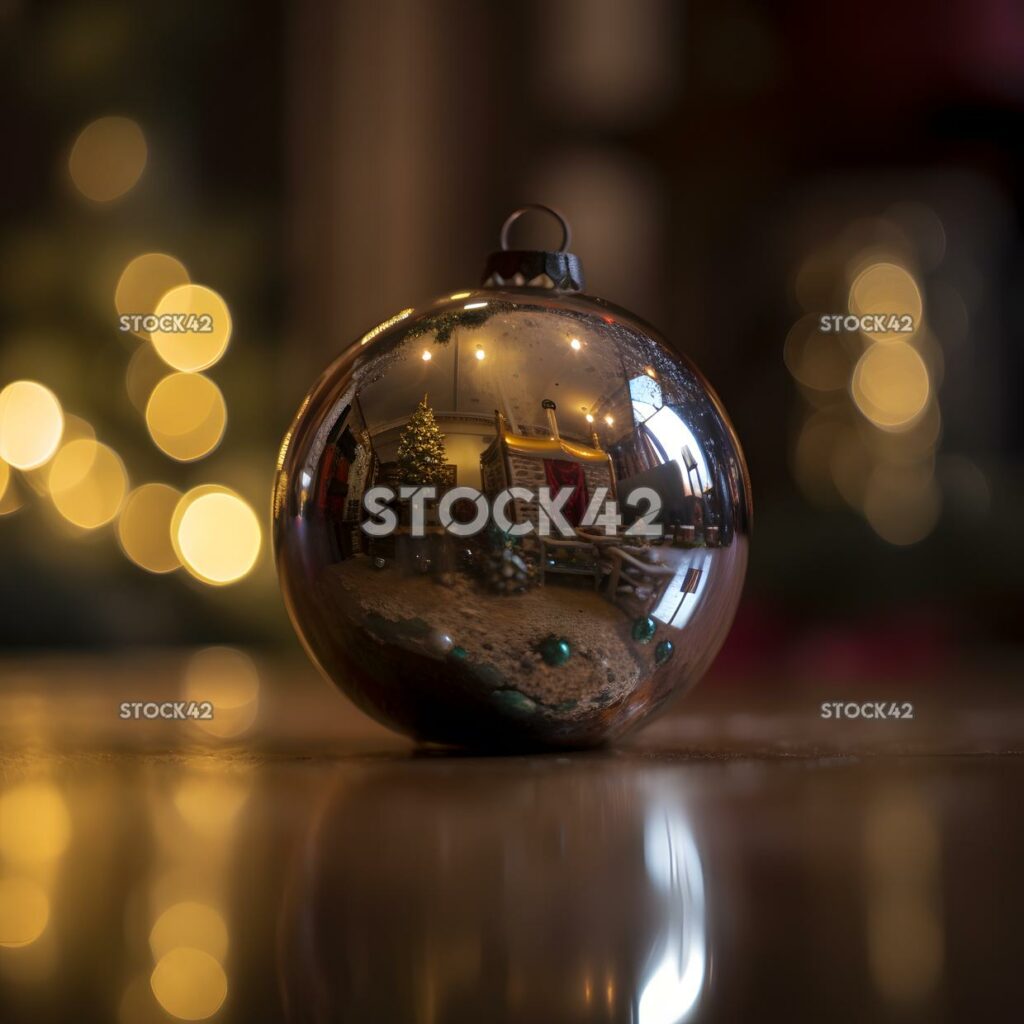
pixel 455 622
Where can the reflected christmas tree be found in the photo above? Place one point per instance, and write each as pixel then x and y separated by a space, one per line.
pixel 421 452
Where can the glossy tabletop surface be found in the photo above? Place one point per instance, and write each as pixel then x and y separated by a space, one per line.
pixel 743 858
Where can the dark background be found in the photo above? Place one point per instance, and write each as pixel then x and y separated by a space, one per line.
pixel 726 169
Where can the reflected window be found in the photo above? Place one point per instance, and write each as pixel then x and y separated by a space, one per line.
pixel 671 436
pixel 684 593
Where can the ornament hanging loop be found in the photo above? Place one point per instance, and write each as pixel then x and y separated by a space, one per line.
pixel 516 214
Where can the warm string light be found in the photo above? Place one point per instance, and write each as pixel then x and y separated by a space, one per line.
pixel 185 412
pixel 873 439
pixel 107 158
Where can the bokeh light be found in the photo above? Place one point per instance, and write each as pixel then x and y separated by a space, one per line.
pixel 216 534
pixel 210 803
pixel 34 823
pixel 24 911
pixel 108 158
pixel 11 499
pixel 812 454
pixel 902 503
pixel 890 385
pixel 192 924
pixel 189 983
pixel 887 289
pixel 229 680
pixel 144 527
pixel 31 424
pixel 87 483
pixel 186 416
pixel 145 370
pixel 145 281
pixel 815 358
pixel 75 428
pixel 209 328
pixel 5 478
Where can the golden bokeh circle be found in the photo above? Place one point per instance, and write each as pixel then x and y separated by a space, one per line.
pixel 24 911
pixel 35 827
pixel 145 370
pixel 815 358
pixel 189 983
pixel 216 534
pixel 144 527
pixel 228 679
pixel 186 416
pixel 108 158
pixel 890 385
pixel 202 335
pixel 887 289
pixel 87 483
pixel 145 281
pixel 192 924
pixel 902 504
pixel 31 424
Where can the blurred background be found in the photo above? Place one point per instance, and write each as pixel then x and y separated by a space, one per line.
pixel 302 171
pixel 298 172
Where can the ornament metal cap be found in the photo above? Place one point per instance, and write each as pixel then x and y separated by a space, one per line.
pixel 557 270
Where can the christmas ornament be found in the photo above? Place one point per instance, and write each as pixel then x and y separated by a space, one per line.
pixel 533 476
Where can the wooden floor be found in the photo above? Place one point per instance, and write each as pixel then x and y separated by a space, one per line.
pixel 743 858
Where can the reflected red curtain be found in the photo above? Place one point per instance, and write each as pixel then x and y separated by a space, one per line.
pixel 561 473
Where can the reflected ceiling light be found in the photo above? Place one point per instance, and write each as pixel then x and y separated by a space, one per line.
pixel 609 420
pixel 460 295
pixel 31 424
pixel 575 344
pixel 426 356
pixel 590 419
pixel 475 305
pixel 479 353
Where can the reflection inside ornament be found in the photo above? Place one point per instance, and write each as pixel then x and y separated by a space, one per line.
pixel 629 443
